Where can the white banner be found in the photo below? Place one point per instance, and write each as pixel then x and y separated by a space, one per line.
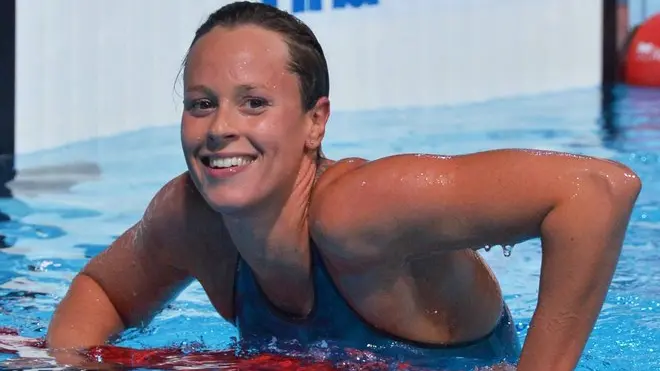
pixel 96 68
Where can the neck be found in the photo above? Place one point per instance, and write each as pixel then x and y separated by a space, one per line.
pixel 278 233
pixel 275 244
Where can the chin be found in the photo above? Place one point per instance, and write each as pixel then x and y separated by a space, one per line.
pixel 230 202
pixel 236 195
pixel 227 203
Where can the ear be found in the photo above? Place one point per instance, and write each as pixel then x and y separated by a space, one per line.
pixel 317 118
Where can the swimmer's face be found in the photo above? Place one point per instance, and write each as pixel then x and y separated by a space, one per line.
pixel 244 131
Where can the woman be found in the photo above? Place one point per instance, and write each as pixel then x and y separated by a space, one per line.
pixel 291 245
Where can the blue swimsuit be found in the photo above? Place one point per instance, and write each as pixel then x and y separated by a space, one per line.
pixel 333 324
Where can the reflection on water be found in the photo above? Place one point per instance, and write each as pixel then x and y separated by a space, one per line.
pixel 52 179
pixel 632 120
pixel 4 241
pixel 29 286
pixel 40 181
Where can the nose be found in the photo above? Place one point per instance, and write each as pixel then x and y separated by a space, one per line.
pixel 221 131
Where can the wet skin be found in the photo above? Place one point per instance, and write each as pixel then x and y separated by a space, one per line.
pixel 398 234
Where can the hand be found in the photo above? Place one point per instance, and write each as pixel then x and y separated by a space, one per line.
pixel 74 358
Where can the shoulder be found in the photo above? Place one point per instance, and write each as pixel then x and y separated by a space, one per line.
pixel 340 183
pixel 179 216
pixel 171 202
pixel 351 176
pixel 332 171
pixel 362 200
pixel 179 200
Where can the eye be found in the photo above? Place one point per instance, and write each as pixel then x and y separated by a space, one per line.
pixel 203 104
pixel 255 104
pixel 199 106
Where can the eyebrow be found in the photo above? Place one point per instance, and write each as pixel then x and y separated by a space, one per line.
pixel 201 89
pixel 244 89
pixel 239 90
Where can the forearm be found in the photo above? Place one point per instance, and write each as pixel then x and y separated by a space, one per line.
pixel 84 318
pixel 582 239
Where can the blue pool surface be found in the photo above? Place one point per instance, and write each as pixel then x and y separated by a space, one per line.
pixel 71 202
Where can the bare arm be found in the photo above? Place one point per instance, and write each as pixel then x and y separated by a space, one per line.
pixel 579 206
pixel 125 285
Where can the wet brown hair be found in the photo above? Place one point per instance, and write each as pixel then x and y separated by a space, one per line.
pixel 307 60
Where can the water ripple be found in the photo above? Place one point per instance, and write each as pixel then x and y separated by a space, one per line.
pixel 46 238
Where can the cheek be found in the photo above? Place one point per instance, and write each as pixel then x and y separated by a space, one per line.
pixel 190 135
pixel 283 134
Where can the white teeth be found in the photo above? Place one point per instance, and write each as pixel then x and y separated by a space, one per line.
pixel 230 161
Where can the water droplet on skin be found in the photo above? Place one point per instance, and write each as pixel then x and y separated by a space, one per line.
pixel 507 249
pixel 488 247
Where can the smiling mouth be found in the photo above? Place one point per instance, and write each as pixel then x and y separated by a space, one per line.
pixel 227 162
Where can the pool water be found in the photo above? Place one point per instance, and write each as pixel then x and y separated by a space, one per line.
pixel 71 202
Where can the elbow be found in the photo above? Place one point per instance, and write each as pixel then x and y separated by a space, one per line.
pixel 633 187
pixel 623 183
pixel 609 183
